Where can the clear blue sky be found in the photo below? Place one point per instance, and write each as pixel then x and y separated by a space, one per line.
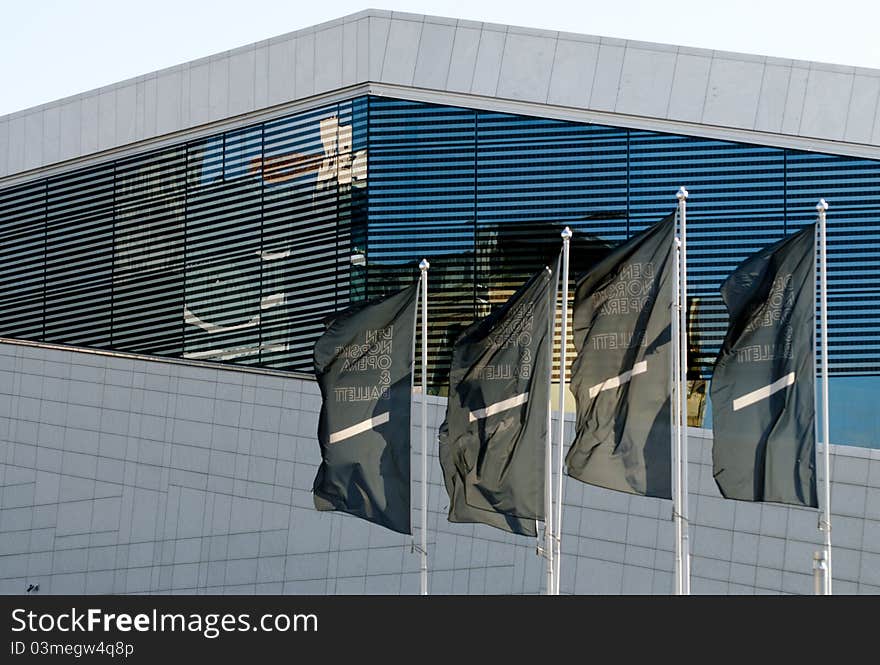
pixel 55 48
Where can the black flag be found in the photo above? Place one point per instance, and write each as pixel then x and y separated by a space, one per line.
pixel 364 367
pixel 492 443
pixel 763 391
pixel 621 375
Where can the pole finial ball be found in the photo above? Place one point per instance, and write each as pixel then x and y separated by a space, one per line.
pixel 566 233
pixel 682 193
pixel 822 206
pixel 424 265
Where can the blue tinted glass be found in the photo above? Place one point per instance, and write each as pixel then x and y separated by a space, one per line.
pixel 489 192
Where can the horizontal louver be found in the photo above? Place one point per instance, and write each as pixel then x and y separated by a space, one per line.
pixel 490 192
pixel 22 260
pixel 232 248
pixel 852 188
pixel 79 257
pixel 150 224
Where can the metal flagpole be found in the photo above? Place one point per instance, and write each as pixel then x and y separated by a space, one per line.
pixel 683 459
pixel 825 522
pixel 566 237
pixel 819 556
pixel 423 266
pixel 675 410
pixel 548 448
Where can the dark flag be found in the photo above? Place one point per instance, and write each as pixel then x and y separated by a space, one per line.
pixel 621 374
pixel 492 443
pixel 762 390
pixel 363 363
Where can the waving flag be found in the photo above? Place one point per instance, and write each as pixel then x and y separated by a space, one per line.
pixel 492 443
pixel 621 375
pixel 363 363
pixel 763 390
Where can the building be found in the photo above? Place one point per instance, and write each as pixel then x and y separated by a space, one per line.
pixel 172 243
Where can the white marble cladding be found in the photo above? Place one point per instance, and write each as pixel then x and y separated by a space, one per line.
pixel 778 101
pixel 132 475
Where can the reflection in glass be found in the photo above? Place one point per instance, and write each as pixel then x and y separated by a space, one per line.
pixel 235 247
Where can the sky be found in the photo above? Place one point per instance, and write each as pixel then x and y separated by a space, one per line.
pixel 55 48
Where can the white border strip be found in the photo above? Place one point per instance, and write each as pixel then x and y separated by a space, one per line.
pixel 615 381
pixel 624 120
pixel 362 426
pixel 177 136
pixel 498 407
pixel 763 393
pixel 183 134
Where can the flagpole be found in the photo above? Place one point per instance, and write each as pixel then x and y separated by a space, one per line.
pixel 683 459
pixel 548 448
pixel 825 523
pixel 675 411
pixel 566 237
pixel 423 266
pixel 818 556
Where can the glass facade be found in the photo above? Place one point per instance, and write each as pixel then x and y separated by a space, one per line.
pixel 233 248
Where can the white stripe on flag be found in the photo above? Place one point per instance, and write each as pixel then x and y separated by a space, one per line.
pixel 498 407
pixel 763 393
pixel 613 382
pixel 362 426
